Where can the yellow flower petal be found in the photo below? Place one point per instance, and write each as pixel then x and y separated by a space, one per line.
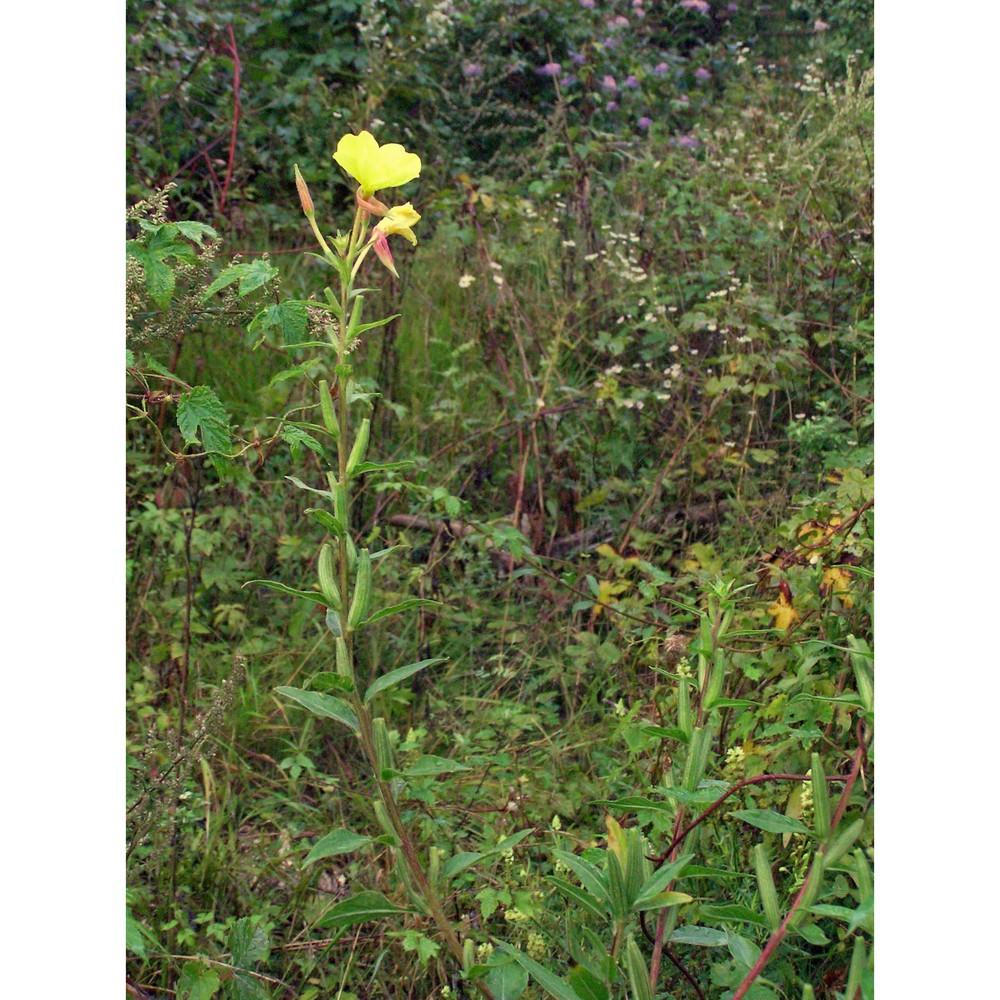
pixel 373 166
pixel 399 220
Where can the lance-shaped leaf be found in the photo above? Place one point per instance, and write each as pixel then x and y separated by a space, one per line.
pixel 336 842
pixel 395 609
pixel 359 909
pixel 392 678
pixel 281 588
pixel 323 705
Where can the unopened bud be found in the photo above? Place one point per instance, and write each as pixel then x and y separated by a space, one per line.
pixel 370 204
pixel 304 197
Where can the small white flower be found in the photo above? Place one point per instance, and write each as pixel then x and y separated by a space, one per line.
pixel 466 280
pixel 497 279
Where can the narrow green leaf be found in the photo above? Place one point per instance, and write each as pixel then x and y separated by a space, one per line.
pixel 587 985
pixel 430 766
pixel 771 821
pixel 363 467
pixel 732 913
pixel 395 609
pixel 296 371
pixel 580 896
pixel 154 366
pixel 307 595
pixel 305 486
pixel 386 681
pixel 552 984
pixel 361 328
pixel 638 976
pixel 590 875
pixel 661 901
pixel 336 842
pixel 328 521
pixel 323 705
pixel 359 909
pixel 661 878
pixel 742 950
pixel 702 937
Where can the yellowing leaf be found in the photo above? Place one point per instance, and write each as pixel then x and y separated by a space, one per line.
pixel 837 582
pixel 784 614
pixel 616 840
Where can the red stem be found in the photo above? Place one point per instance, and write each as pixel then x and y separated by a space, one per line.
pixel 236 117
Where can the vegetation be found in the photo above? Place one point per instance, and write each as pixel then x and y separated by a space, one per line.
pixel 500 618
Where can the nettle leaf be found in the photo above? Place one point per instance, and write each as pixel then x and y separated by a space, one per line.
pixel 160 281
pixel 297 439
pixel 336 842
pixel 201 415
pixel 289 319
pixel 198 981
pixel 247 942
pixel 196 231
pixel 255 275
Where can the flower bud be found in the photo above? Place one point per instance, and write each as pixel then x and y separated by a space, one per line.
pixel 304 197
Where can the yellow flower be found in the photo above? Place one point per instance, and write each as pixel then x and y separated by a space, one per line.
pixel 399 220
pixel 373 166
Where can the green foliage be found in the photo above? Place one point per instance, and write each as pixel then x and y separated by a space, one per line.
pixel 616 499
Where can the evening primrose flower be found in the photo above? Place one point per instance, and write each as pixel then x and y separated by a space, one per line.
pixel 373 166
pixel 397 221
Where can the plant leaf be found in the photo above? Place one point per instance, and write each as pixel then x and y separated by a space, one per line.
pixel 308 595
pixel 769 820
pixel 552 984
pixel 399 674
pixel 323 705
pixel 336 842
pixel 395 609
pixel 201 416
pixel 359 909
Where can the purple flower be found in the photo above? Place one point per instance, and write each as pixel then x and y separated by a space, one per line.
pixel 702 74
pixel 608 83
pixel 661 69
pixel 589 4
pixel 631 82
pixel 687 142
pixel 567 81
pixel 644 122
pixel 697 5
pixel 619 22
pixel 733 8
pixel 549 69
pixel 472 69
pixel 578 58
pixel 611 106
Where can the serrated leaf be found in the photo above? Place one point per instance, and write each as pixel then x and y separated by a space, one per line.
pixel 255 275
pixel 770 821
pixel 297 439
pixel 196 231
pixel 247 943
pixel 224 280
pixel 323 705
pixel 197 981
pixel 359 909
pixel 395 609
pixel 129 359
pixel 386 681
pixel 134 941
pixel 160 281
pixel 336 842
pixel 289 319
pixel 296 371
pixel 201 415
pixel 307 595
pixel 154 366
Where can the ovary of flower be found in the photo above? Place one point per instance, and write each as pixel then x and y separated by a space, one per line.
pixel 373 166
